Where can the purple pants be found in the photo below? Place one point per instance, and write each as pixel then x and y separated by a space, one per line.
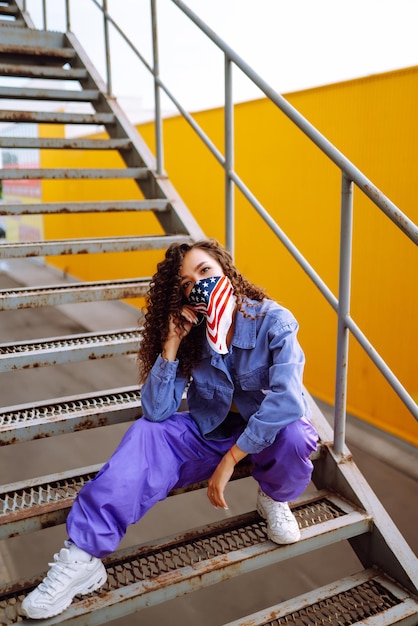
pixel 155 457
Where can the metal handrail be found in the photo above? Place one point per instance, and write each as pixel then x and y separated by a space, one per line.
pixel 350 175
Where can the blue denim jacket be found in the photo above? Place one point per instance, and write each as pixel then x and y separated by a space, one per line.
pixel 261 374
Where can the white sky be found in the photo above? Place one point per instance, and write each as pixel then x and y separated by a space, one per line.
pixel 292 44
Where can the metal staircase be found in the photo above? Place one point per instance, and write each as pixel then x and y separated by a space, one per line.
pixel 342 508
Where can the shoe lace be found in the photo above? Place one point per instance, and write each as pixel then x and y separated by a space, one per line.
pixel 281 514
pixel 57 575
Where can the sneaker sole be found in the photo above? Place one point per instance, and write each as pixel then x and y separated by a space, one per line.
pixel 35 613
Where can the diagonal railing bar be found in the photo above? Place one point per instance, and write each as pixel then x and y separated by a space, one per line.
pixel 286 241
pixel 352 172
pixel 344 164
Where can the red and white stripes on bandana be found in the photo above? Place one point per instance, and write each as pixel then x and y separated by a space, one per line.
pixel 214 298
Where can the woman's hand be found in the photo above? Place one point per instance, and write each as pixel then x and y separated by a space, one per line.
pixel 221 476
pixel 177 332
pixel 190 318
pixel 219 480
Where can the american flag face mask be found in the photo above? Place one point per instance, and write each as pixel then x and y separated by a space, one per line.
pixel 214 298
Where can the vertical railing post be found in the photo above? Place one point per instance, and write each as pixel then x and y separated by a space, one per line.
pixel 67 15
pixel 107 48
pixel 44 15
pixel 229 158
pixel 346 236
pixel 157 100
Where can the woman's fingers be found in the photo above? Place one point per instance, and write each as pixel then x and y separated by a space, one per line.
pixel 217 499
pixel 189 314
pixel 180 329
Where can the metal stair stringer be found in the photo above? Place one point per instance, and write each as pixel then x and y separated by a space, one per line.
pixel 384 546
pixel 178 219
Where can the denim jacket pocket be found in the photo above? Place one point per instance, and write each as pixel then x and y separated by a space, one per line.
pixel 204 390
pixel 255 380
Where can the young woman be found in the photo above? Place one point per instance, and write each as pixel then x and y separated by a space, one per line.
pixel 209 330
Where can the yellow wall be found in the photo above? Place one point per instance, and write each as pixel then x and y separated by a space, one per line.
pixel 373 122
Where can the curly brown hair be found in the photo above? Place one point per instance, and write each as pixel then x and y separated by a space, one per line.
pixel 165 298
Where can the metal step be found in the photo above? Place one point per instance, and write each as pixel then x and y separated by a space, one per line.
pixel 21 52
pixel 35 420
pixel 54 295
pixel 89 246
pixel 39 71
pixel 154 572
pixel 57 117
pixel 68 349
pixel 13 23
pixel 109 206
pixel 43 143
pixel 71 95
pixel 71 174
pixel 69 414
pixel 32 38
pixel 8 10
pixel 29 506
pixel 367 597
pixel 10 15
pixel 59 416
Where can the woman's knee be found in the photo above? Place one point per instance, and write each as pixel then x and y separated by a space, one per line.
pixel 300 437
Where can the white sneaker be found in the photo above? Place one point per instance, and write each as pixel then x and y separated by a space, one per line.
pixel 282 526
pixel 73 572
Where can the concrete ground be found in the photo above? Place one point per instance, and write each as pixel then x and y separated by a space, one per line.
pixel 390 467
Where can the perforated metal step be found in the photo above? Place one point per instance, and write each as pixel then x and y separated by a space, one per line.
pixel 46 143
pixel 152 573
pixel 108 206
pixel 65 174
pixel 43 502
pixel 53 295
pixel 31 46
pixel 68 349
pixel 69 414
pixel 17 93
pixel 367 595
pixel 39 71
pixel 88 246
pixel 8 10
pixel 25 508
pixel 56 117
